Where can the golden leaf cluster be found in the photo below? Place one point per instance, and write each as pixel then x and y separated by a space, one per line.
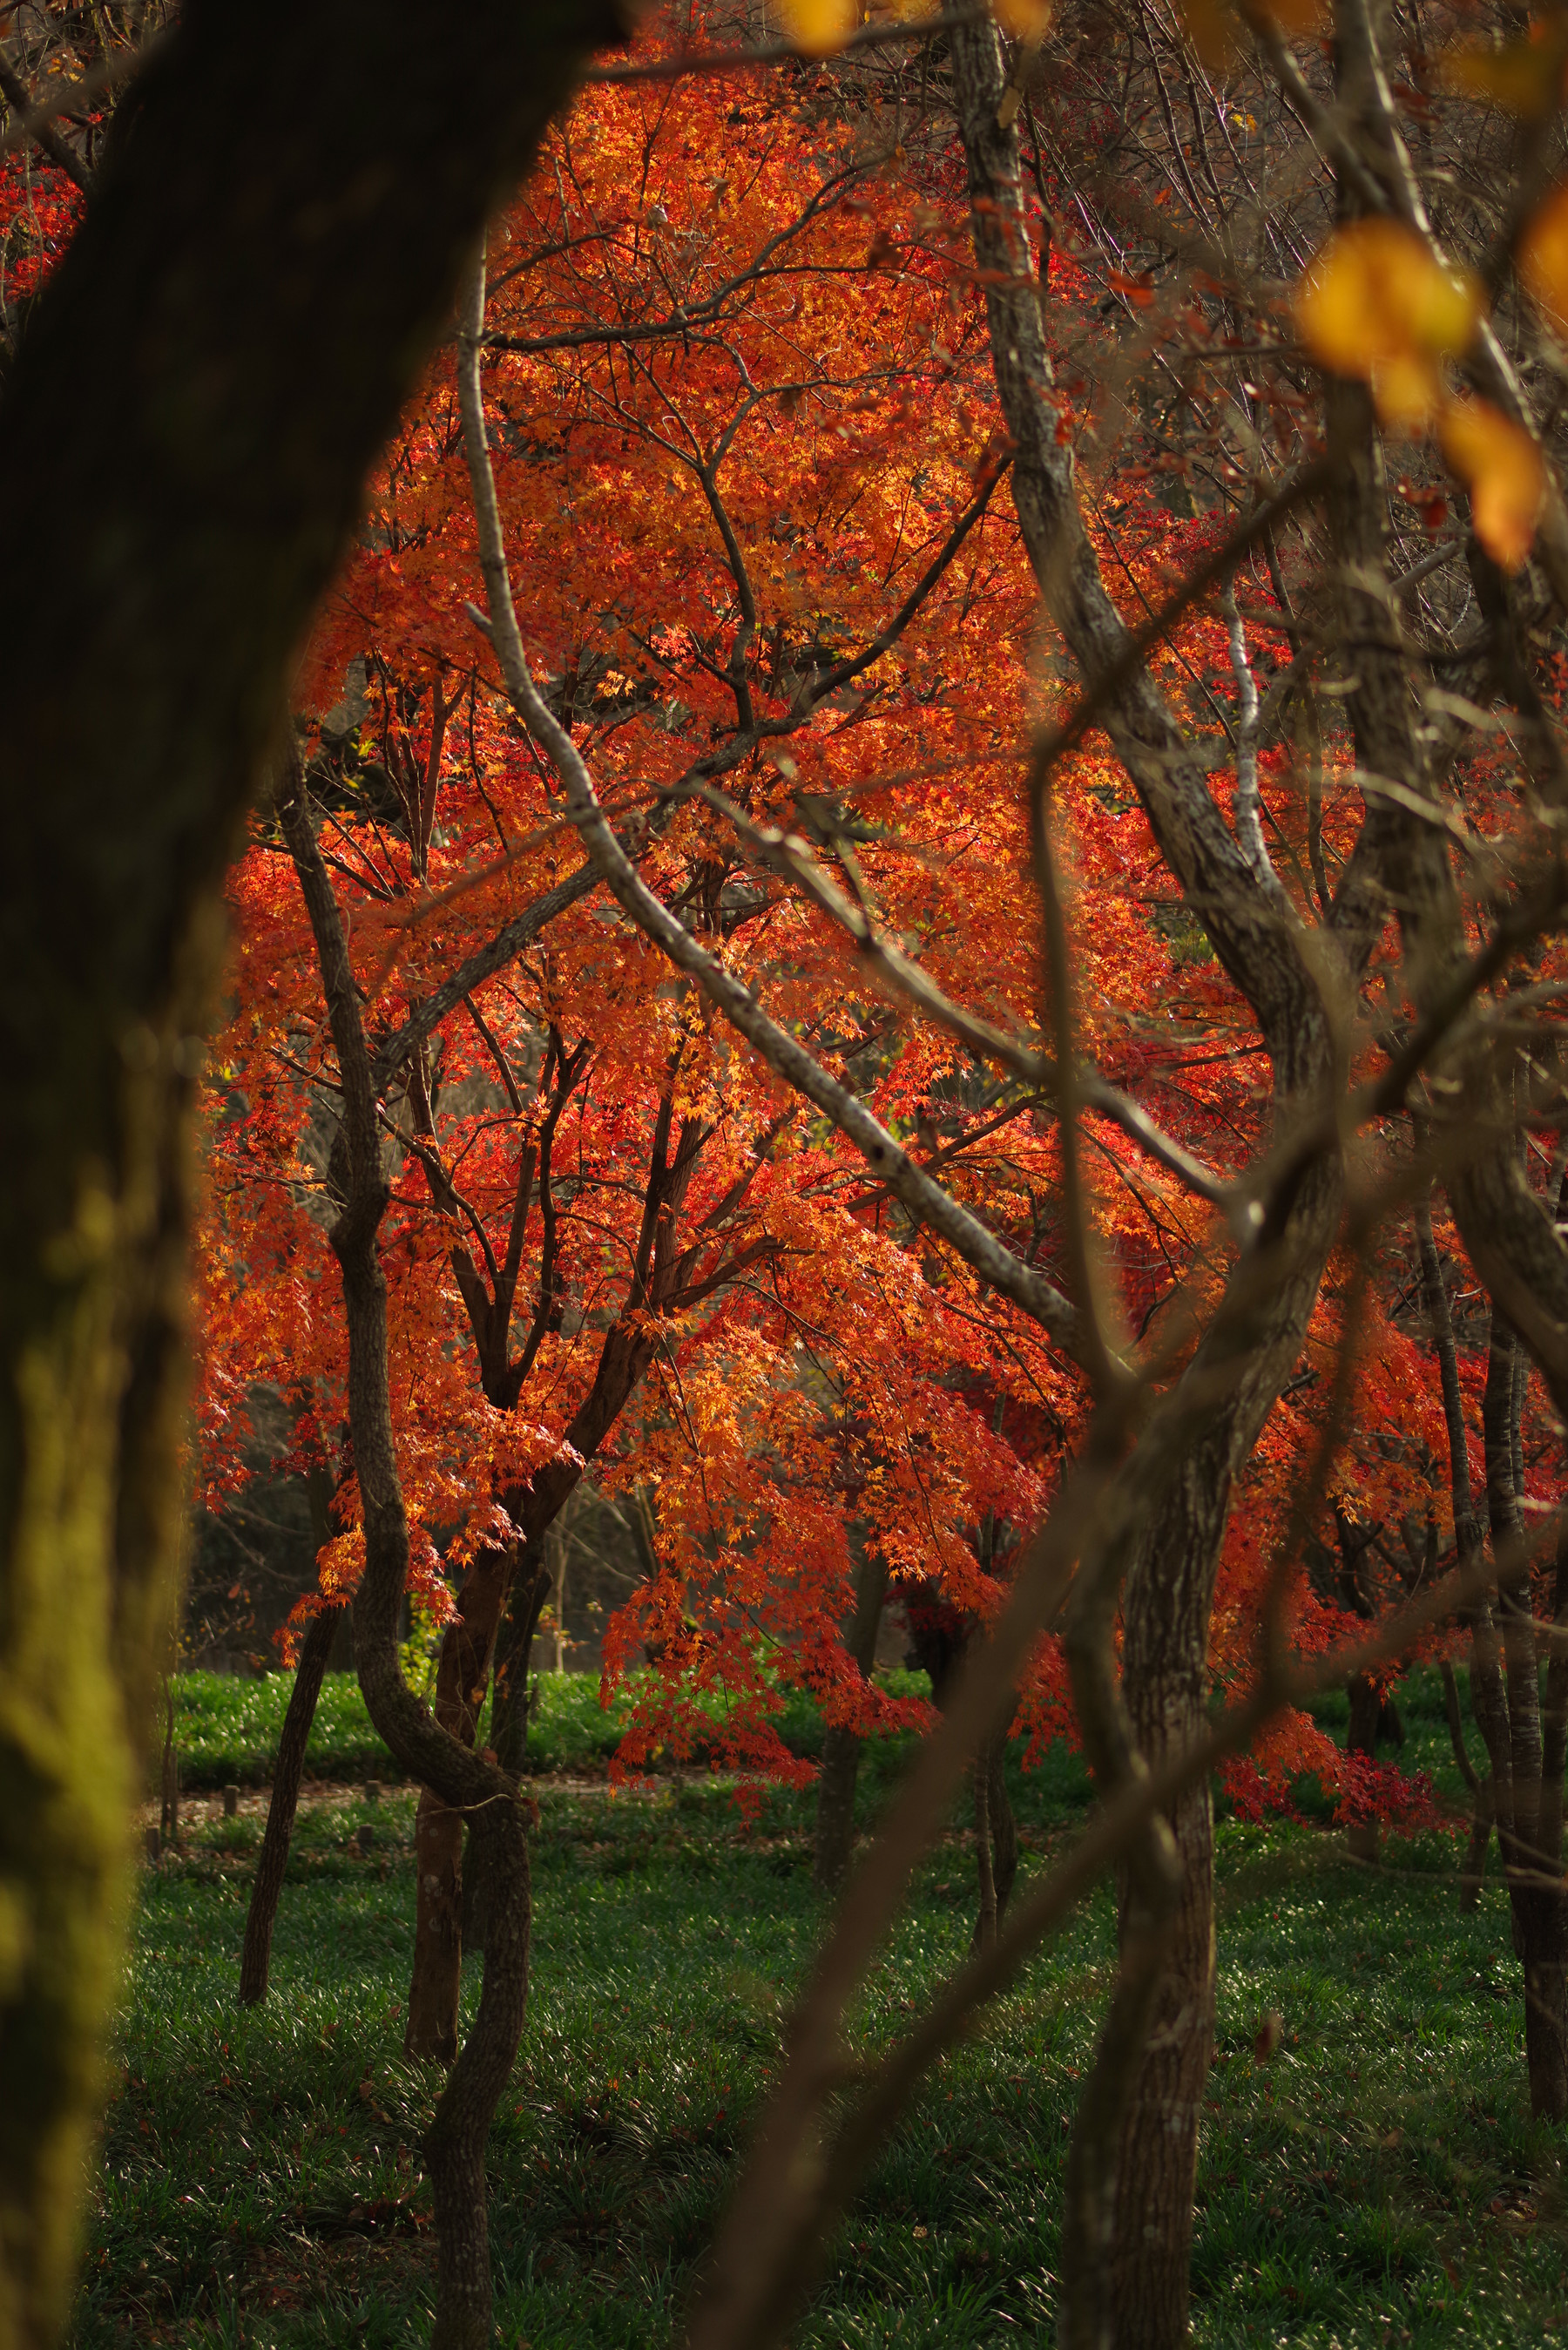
pixel 1377 304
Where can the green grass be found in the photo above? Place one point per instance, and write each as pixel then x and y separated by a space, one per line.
pixel 227 1729
pixel 1379 2181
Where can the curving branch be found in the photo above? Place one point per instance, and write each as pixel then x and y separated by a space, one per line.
pixel 985 1254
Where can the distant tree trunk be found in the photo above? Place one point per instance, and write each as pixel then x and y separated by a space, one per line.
pixel 940 1636
pixel 287 1771
pixel 169 1815
pixel 1004 1827
pixel 509 1682
pixel 555 1540
pixel 1474 1865
pixel 841 1745
pixel 1362 1739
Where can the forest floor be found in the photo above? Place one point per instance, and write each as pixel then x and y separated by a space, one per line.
pixel 1378 2180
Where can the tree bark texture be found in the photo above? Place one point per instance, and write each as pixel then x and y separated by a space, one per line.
pixel 269 251
pixel 310 1670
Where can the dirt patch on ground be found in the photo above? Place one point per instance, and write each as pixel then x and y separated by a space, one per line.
pixel 205 1804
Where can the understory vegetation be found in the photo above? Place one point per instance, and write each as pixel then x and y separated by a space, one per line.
pixel 1374 2178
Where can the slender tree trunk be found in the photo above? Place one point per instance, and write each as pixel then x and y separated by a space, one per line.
pixel 1003 1828
pixel 985 1924
pixel 462 1670
pixel 169 1814
pixel 834 1835
pixel 287 1771
pixel 1482 1821
pixel 467 1782
pixel 508 1730
pixel 1166 1611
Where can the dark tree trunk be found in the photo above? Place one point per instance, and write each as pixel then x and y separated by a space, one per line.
pixel 509 1718
pixel 835 1835
pixel 1365 1707
pixel 269 252
pixel 1481 1792
pixel 940 1638
pixel 512 1701
pixel 1003 1828
pixel 310 1670
pixel 1366 1704
pixel 1483 1817
pixel 462 1669
pixel 985 1924
pixel 835 1785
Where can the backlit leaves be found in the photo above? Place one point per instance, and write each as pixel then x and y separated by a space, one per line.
pixel 818 27
pixel 1376 304
pixel 1217 34
pixel 1524 78
pixel 1379 304
pixel 1502 469
pixel 1026 20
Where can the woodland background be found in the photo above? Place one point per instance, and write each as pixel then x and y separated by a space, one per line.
pixel 844 1003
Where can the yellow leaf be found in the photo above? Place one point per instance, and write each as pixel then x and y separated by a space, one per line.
pixel 1524 77
pixel 817 27
pixel 1375 296
pixel 1500 466
pixel 1544 255
pixel 1026 20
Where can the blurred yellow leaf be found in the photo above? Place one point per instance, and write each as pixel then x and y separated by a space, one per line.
pixel 1297 16
pixel 1524 77
pixel 1375 304
pixel 1544 255
pixel 1026 20
pixel 1406 389
pixel 817 27
pixel 1500 466
pixel 1212 31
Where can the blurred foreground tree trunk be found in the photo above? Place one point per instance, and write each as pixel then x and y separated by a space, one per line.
pixel 270 250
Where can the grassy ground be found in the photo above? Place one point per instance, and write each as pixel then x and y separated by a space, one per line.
pixel 227 1729
pixel 1379 2181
